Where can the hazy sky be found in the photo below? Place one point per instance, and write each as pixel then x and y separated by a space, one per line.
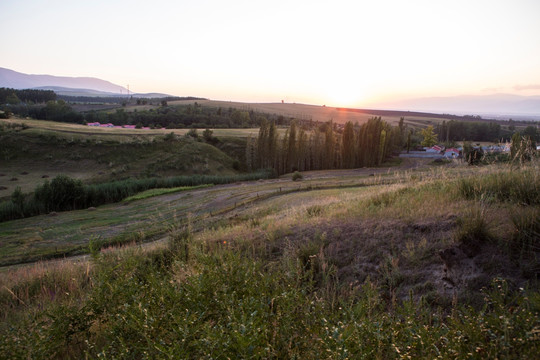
pixel 335 52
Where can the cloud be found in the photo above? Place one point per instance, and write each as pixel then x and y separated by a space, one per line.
pixel 527 87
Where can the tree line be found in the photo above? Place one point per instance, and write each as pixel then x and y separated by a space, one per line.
pixel 328 146
pixel 454 130
pixel 14 96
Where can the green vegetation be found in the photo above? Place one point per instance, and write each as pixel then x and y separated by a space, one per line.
pixel 64 193
pixel 369 144
pixel 470 130
pixel 405 262
pixel 297 176
pixel 256 287
pixel 430 138
pixel 162 191
pixel 520 187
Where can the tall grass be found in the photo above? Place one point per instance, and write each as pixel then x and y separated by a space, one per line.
pixel 220 304
pixel 521 186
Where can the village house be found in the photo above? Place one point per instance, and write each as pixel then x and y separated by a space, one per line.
pixel 451 153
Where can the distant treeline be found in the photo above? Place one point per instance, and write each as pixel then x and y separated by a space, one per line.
pixel 165 116
pixel 182 116
pixel 14 96
pixel 64 193
pixel 470 130
pixel 122 99
pixel 326 147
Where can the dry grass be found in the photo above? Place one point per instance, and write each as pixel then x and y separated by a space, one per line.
pixel 113 134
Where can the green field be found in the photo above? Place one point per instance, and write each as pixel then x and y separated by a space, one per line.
pixel 409 261
pixel 45 149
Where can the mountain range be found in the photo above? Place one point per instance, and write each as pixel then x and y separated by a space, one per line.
pixel 64 85
pixel 494 105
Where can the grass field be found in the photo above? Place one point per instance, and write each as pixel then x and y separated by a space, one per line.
pixel 408 261
pixel 341 264
pixel 77 131
pixel 45 149
pixel 313 112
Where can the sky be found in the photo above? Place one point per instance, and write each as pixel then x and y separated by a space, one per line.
pixel 338 53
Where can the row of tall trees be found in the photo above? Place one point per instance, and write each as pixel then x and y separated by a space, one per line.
pixel 326 147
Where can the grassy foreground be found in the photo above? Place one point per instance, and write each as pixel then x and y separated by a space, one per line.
pixel 358 272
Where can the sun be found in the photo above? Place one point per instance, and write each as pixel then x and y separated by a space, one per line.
pixel 344 94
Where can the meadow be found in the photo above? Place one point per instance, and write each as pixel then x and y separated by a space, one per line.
pixel 407 262
pixel 32 151
pixel 199 259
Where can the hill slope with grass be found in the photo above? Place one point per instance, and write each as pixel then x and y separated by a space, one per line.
pixel 33 152
pixel 427 262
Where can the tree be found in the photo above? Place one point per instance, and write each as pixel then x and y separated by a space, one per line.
pixel 292 149
pixel 329 146
pixel 348 146
pixel 430 138
pixel 17 198
pixel 208 135
pixel 532 132
pixel 13 99
pixel 241 118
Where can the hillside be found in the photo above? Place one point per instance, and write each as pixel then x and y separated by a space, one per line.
pixel 325 113
pixel 42 150
pixel 410 261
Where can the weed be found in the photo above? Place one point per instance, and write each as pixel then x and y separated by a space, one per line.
pixel 473 232
pixel 315 210
pixel 521 186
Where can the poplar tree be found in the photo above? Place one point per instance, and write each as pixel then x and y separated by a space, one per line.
pixel 329 146
pixel 291 150
pixel 262 145
pixel 272 148
pixel 348 146
pixel 302 151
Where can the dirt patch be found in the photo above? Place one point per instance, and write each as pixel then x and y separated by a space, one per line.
pixel 401 257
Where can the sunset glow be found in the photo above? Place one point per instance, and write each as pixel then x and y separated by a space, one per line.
pixel 345 53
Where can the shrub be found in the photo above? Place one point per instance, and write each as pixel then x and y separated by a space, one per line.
pixel 473 155
pixel 297 176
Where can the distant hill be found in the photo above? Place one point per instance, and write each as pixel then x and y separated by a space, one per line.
pixel 17 80
pixel 67 86
pixel 492 105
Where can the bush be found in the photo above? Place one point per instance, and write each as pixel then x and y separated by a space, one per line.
pixel 297 176
pixel 473 155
